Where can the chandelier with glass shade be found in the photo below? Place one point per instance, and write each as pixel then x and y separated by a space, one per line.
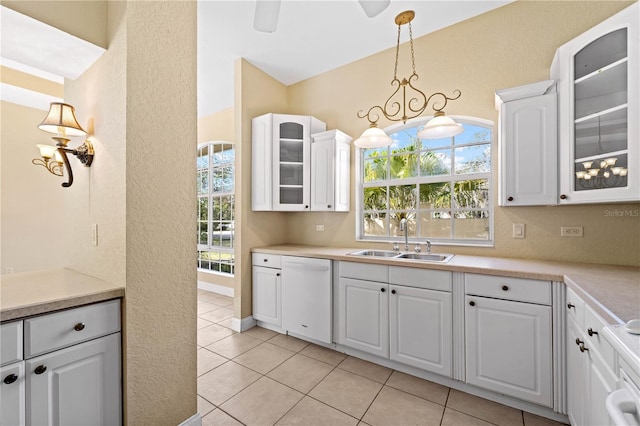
pixel 407 102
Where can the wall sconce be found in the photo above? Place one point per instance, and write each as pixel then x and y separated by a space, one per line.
pixel 61 121
pixel 410 105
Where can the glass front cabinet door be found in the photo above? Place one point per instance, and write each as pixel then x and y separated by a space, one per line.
pixel 599 116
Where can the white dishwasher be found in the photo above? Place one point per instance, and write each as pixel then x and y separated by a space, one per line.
pixel 306 297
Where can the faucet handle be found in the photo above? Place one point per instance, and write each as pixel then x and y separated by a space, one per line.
pixel 417 249
pixel 395 246
pixel 428 243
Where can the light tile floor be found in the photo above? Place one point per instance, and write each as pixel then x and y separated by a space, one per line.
pixel 260 377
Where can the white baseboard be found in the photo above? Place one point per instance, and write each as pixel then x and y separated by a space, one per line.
pixel 195 420
pixel 242 325
pixel 216 288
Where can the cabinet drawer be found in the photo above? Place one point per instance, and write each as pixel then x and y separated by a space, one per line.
pixel 10 342
pixel 420 278
pixel 61 329
pixel 575 308
pixel 593 326
pixel 364 271
pixel 266 260
pixel 518 289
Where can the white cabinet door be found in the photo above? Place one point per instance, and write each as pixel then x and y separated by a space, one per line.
pixel 420 328
pixel 576 379
pixel 528 151
pixel 364 316
pixel 12 398
pixel 599 105
pixel 262 163
pixel 330 171
pixel 306 297
pixel 79 385
pixel 509 348
pixel 267 295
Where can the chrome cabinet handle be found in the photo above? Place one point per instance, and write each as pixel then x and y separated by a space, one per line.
pixel 79 326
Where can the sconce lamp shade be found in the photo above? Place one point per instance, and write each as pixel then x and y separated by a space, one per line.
pixel 61 120
pixel 440 126
pixel 47 151
pixel 373 137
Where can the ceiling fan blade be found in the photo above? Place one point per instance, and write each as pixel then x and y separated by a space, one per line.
pixel 265 18
pixel 373 7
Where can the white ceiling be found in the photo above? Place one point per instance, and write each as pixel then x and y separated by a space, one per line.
pixel 312 37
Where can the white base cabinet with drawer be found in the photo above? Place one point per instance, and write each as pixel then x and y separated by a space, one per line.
pixel 267 288
pixel 590 359
pixel 71 372
pixel 509 342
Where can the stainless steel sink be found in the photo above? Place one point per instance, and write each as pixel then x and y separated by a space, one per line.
pixel 375 253
pixel 427 257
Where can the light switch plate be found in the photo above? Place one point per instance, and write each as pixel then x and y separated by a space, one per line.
pixel 518 230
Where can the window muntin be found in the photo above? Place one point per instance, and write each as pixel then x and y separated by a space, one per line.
pixel 216 202
pixel 442 187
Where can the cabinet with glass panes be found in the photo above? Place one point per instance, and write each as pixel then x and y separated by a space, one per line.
pixel 598 93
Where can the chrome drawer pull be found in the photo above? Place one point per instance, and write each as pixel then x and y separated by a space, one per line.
pixel 79 326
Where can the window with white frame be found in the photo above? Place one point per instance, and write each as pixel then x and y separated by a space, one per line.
pixel 442 187
pixel 216 201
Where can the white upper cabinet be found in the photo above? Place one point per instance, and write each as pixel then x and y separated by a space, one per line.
pixel 597 75
pixel 528 145
pixel 330 172
pixel 281 161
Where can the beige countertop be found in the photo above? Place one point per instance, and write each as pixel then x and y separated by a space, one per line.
pixel 613 291
pixel 33 293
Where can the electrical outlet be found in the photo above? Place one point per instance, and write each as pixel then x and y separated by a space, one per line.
pixel 319 228
pixel 94 234
pixel 571 231
pixel 518 230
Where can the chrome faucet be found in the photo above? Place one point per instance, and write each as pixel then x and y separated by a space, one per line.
pixel 405 227
pixel 428 243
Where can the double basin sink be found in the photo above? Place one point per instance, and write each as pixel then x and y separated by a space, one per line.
pixel 425 257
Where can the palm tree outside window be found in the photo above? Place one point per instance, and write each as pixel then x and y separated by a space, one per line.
pixel 442 187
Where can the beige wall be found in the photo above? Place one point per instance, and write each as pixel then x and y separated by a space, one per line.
pixel 256 93
pixel 31 82
pixel 141 192
pixel 32 214
pixel 509 46
pixel 83 19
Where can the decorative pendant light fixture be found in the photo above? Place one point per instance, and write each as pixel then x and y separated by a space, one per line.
pixel 411 104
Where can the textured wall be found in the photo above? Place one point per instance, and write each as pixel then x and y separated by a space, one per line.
pixel 256 93
pixel 510 46
pixel 32 213
pixel 141 96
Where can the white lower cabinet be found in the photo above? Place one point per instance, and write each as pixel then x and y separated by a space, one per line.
pixel 79 385
pixel 71 372
pixel 590 378
pixel 508 342
pixel 364 316
pixel 420 328
pixel 306 297
pixel 12 395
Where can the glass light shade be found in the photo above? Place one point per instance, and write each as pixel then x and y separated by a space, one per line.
pixel 587 177
pixel 587 164
pixel 623 172
pixel 606 174
pixel 603 164
pixel 61 120
pixel 373 137
pixel 616 170
pixel 611 161
pixel 594 172
pixel 47 151
pixel 440 126
pixel 580 175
